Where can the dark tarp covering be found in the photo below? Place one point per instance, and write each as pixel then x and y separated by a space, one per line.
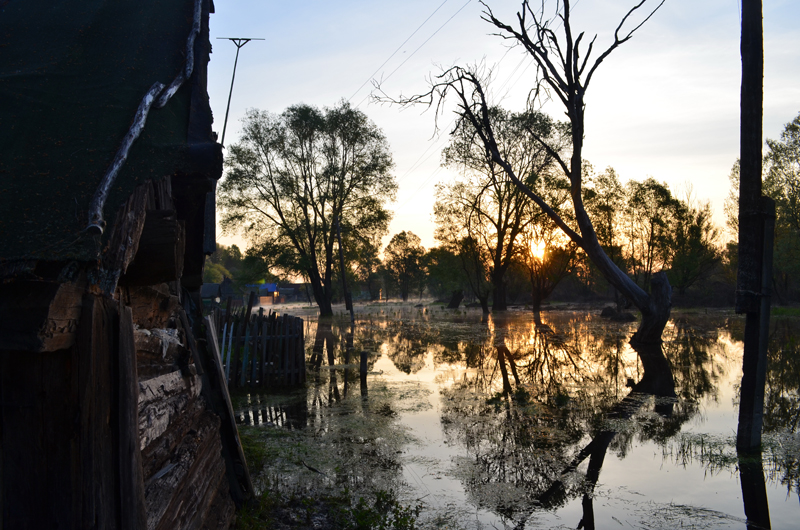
pixel 72 75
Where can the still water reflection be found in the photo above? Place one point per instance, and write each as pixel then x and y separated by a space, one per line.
pixel 499 422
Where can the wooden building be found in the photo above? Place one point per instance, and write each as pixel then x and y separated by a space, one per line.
pixel 111 415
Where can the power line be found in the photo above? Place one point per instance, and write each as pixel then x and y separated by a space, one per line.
pixel 397 50
pixel 416 50
pixel 426 40
pixel 424 183
pixel 420 160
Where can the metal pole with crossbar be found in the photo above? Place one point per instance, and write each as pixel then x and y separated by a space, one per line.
pixel 239 42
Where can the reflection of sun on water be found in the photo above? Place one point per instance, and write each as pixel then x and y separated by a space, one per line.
pixel 537 250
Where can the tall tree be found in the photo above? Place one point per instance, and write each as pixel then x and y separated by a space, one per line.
pixel 692 244
pixel 564 72
pixel 605 201
pixel 403 259
pixel 484 205
pixel 650 215
pixel 781 183
pixel 292 175
pixel 445 274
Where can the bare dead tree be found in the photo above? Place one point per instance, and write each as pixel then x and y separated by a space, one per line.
pixel 565 71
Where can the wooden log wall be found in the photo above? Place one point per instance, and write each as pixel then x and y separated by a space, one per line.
pixel 186 482
pixel 261 350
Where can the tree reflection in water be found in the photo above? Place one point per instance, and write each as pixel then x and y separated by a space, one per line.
pixel 528 441
pixel 527 447
pixel 537 408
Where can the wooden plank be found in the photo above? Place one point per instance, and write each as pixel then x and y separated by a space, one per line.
pixel 301 350
pixel 210 222
pixel 302 346
pixel 255 351
pixel 263 357
pixel 227 315
pixel 97 473
pixel 242 333
pixel 123 242
pixel 152 305
pixel 231 329
pixel 240 482
pixel 132 503
pixel 283 349
pixel 274 360
pixel 222 342
pixel 190 340
pixel 293 351
pixel 237 355
pixel 246 347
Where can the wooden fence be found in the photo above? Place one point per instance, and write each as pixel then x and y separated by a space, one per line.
pixel 260 350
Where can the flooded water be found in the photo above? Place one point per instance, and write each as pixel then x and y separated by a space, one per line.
pixel 495 422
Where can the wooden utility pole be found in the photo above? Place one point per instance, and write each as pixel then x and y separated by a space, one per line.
pixel 756 222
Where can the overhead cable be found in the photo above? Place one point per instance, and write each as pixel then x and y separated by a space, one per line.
pixel 397 50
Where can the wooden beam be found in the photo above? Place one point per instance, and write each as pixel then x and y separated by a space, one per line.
pixel 218 396
pixel 96 479
pixel 132 502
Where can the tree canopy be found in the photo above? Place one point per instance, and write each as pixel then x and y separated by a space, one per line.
pixel 403 259
pixel 781 182
pixel 293 176
pixel 484 206
pixel 564 71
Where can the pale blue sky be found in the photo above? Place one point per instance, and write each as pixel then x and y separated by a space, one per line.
pixel 665 104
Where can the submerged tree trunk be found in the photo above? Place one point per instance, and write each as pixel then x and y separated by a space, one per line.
pixel 484 301
pixel 501 359
pixel 455 299
pixel 537 307
pixel 504 354
pixel 499 293
pixel 322 293
pixel 658 381
pixel 323 340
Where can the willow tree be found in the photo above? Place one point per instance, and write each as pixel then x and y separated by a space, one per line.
pixel 403 260
pixel 294 177
pixel 564 71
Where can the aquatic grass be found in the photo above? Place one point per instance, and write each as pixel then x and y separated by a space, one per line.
pixel 785 311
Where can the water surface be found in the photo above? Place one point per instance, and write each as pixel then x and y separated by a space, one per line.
pixel 495 422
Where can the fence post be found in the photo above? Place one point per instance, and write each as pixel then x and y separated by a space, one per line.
pixel 263 354
pixel 363 370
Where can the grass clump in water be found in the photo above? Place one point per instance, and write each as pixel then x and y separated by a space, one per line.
pixel 339 511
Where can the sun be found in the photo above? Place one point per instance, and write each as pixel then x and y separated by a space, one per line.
pixel 537 250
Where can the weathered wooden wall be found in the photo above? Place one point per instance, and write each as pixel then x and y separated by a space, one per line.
pixel 87 443
pixel 107 419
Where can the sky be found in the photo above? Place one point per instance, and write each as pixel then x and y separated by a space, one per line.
pixel 664 105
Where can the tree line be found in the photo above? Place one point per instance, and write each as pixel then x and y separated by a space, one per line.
pixel 297 180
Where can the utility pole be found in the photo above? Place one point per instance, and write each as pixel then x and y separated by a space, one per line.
pixel 239 42
pixel 756 221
